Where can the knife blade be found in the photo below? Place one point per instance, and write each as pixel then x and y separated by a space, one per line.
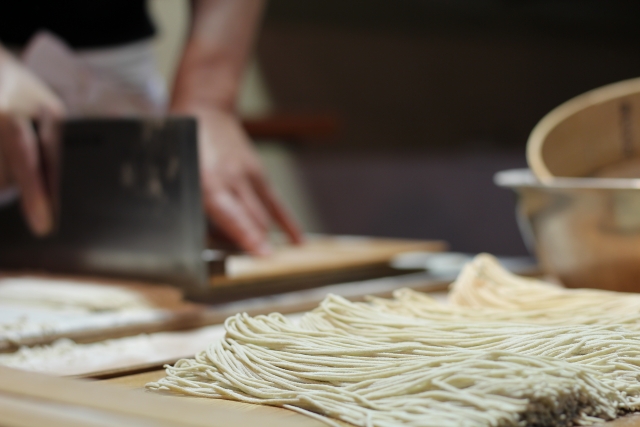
pixel 127 199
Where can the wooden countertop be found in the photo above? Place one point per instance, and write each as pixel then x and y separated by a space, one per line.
pixel 138 381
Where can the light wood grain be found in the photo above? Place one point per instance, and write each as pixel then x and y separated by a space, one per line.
pixel 28 412
pixel 138 381
pixel 320 261
pixel 594 134
pixel 321 254
pixel 30 398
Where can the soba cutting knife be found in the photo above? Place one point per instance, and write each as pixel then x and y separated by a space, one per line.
pixel 128 204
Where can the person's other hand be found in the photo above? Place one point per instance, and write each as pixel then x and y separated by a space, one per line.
pixel 237 195
pixel 24 98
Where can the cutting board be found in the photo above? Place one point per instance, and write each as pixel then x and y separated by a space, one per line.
pixel 320 261
pixel 33 400
pixel 138 381
pixel 28 399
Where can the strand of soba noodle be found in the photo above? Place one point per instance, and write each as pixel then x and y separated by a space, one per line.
pixel 357 363
pixel 613 350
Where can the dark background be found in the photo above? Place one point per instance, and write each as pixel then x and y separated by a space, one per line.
pixel 435 96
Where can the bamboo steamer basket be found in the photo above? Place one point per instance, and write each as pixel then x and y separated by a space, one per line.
pixel 596 134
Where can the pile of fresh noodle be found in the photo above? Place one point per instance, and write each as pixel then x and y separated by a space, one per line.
pixel 506 351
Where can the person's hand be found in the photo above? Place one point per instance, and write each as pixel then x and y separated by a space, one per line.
pixel 24 98
pixel 237 196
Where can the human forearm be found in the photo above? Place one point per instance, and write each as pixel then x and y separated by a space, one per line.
pixel 215 55
pixel 236 194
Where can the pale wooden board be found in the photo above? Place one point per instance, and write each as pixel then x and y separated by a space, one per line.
pixel 337 255
pixel 138 381
pixel 320 254
pixel 29 399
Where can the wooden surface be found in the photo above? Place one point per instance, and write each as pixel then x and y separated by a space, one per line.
pixel 138 381
pixel 594 134
pixel 320 261
pixel 28 399
pixel 320 254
